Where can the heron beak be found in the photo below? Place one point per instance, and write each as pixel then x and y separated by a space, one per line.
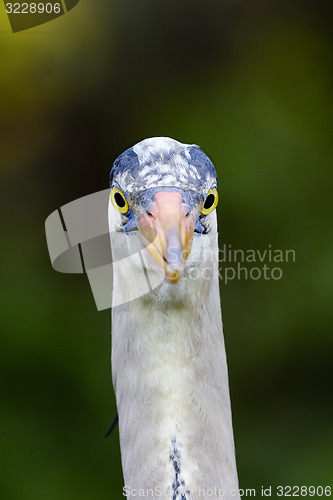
pixel 167 233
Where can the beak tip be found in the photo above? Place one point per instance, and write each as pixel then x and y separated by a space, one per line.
pixel 172 275
pixel 169 233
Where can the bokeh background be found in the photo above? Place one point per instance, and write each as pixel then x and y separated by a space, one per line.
pixel 251 83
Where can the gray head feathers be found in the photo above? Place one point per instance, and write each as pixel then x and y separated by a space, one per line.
pixel 163 162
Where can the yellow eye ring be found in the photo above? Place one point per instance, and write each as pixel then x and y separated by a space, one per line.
pixel 119 201
pixel 210 201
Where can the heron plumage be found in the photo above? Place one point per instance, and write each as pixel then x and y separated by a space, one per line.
pixel 168 358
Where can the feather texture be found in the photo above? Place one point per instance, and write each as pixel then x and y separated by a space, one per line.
pixel 170 377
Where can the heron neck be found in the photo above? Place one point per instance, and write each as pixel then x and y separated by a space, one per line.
pixel 171 383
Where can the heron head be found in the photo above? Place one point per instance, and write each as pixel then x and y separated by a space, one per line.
pixel 165 192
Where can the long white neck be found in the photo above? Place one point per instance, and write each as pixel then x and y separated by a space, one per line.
pixel 171 383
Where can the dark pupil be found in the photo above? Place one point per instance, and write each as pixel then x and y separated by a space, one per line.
pixel 119 200
pixel 209 201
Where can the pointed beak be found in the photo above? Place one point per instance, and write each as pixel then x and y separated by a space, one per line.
pixel 167 233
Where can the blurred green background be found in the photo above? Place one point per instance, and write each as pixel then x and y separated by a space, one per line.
pixel 251 83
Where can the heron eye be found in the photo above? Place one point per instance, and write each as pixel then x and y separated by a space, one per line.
pixel 210 202
pixel 119 201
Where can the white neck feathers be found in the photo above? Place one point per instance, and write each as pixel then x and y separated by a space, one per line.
pixel 170 376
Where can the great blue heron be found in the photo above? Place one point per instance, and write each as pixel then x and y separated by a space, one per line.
pixel 168 357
